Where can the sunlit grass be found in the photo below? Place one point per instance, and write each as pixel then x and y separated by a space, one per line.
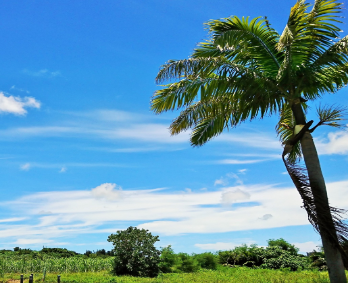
pixel 236 275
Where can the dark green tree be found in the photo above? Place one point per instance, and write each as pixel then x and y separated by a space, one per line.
pixel 135 253
pixel 247 70
pixel 284 245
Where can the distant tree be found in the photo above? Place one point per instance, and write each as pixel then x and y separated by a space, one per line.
pixel 58 252
pixel 284 245
pixel 168 260
pixel 101 252
pixel 88 253
pixel 135 253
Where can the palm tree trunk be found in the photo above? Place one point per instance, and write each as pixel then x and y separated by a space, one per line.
pixel 325 222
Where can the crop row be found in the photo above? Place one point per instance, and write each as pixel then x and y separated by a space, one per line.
pixel 61 265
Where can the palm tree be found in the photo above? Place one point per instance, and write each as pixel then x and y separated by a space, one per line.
pixel 246 70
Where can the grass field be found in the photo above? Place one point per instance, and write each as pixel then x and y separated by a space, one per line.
pixel 240 275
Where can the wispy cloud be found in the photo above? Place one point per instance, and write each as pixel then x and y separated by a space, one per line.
pixel 252 139
pixel 15 88
pixel 240 161
pixel 42 73
pixel 223 246
pixel 168 213
pixel 224 180
pixel 16 105
pixel 63 167
pixel 25 167
pixel 14 219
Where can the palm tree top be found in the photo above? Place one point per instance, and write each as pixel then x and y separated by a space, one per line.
pixel 247 70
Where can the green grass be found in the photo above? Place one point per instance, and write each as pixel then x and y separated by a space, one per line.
pixel 237 275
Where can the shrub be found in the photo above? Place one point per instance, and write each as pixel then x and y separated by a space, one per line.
pixel 278 255
pixel 186 263
pixel 206 260
pixel 168 260
pixel 135 253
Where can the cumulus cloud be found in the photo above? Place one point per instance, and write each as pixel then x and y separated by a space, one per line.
pixel 308 246
pixel 232 195
pixel 335 143
pixel 16 105
pixel 25 167
pixel 107 191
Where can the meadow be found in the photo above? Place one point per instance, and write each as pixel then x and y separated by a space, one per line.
pixel 223 274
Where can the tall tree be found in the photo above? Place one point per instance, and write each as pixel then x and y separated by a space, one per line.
pixel 246 70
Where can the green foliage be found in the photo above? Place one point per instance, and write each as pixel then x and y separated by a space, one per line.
pixel 222 275
pixel 279 254
pixel 284 245
pixel 168 260
pixel 206 260
pixel 187 263
pixel 247 70
pixel 317 260
pixel 58 252
pixel 135 253
pixel 10 264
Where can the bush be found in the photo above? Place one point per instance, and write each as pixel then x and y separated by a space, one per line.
pixel 186 263
pixel 278 255
pixel 135 253
pixel 168 260
pixel 206 260
pixel 58 252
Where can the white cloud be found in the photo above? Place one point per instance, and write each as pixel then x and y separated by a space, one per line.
pixel 16 105
pixel 160 211
pixel 19 89
pixel 26 241
pixel 253 139
pixel 238 161
pixel 42 73
pixel 107 191
pixel 308 246
pixel 14 219
pixel 220 246
pixel 232 195
pixel 224 180
pixel 63 169
pixel 335 143
pixel 42 212
pixel 25 167
pixel 242 171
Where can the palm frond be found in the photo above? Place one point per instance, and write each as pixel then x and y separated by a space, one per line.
pixel 321 27
pixel 254 37
pixel 331 115
pixel 208 128
pixel 336 55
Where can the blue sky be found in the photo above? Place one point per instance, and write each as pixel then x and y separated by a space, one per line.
pixel 82 156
